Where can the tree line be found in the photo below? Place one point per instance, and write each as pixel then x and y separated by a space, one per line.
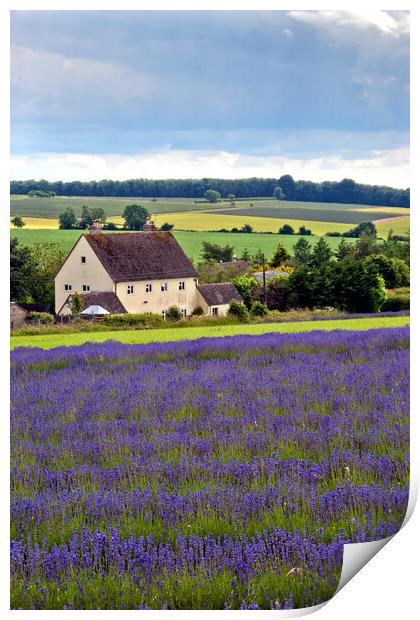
pixel 345 191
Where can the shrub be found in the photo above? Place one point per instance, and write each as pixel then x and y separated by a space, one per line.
pixel 43 318
pixel 397 299
pixel 258 309
pixel 147 319
pixel 173 314
pixel 198 311
pixel 286 230
pixel 239 311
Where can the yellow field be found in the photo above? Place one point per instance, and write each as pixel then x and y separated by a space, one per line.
pixel 197 221
pixel 39 223
pixel 399 227
pixel 214 221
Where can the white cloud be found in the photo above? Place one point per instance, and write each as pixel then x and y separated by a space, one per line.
pixel 384 167
pixel 336 22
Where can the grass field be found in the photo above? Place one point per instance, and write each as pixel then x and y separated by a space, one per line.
pixel 50 341
pixel 191 242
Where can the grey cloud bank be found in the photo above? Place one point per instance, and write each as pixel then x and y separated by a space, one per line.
pixel 295 85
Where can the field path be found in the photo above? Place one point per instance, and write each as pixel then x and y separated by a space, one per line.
pixel 50 341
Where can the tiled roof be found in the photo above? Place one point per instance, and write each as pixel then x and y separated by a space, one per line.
pixel 269 275
pixel 106 300
pixel 141 256
pixel 219 294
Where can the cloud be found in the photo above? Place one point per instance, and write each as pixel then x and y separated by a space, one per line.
pixel 57 86
pixel 350 23
pixel 383 167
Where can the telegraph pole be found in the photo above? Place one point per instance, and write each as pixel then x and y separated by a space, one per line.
pixel 264 285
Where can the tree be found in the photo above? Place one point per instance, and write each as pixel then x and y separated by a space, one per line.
pixel 47 258
pixel 344 249
pixel 299 293
pixel 245 285
pixel 288 185
pixel 22 271
pixel 67 220
pixel 363 227
pixel 76 304
pixel 357 287
pixel 302 253
pixel 231 198
pixel 166 226
pixel 304 231
pixel 215 252
pixel 393 270
pixel 212 195
pixel 246 256
pixel 321 254
pixel 286 229
pixel 366 245
pixel 278 193
pixel 17 222
pixel 135 217
pixel 89 215
pixel 246 228
pixel 280 256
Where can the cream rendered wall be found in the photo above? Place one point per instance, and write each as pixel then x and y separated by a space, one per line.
pixel 76 273
pixel 158 300
pixel 222 309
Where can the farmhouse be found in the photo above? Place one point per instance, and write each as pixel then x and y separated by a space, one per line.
pixel 136 273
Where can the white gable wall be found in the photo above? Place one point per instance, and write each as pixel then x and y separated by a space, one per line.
pixel 76 273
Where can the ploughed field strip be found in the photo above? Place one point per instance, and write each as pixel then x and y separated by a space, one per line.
pixel 344 216
pixel 220 473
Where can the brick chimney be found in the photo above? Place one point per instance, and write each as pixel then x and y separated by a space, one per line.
pixel 95 227
pixel 149 225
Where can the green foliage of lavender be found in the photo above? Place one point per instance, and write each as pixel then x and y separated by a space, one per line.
pixel 215 473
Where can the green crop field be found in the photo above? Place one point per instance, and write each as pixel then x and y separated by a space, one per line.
pixel 49 341
pixel 191 242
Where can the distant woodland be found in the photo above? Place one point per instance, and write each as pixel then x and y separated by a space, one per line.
pixel 345 191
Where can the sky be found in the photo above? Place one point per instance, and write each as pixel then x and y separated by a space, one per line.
pixel 320 95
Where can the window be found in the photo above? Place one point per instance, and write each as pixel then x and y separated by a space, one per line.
pixel 164 287
pixel 86 288
pixel 184 313
pixel 83 259
pixel 67 287
pixel 182 286
pixel 163 314
pixel 149 287
pixel 215 311
pixel 130 289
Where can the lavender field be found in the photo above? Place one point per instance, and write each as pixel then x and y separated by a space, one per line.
pixel 208 474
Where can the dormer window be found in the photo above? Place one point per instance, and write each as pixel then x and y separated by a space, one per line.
pixel 149 287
